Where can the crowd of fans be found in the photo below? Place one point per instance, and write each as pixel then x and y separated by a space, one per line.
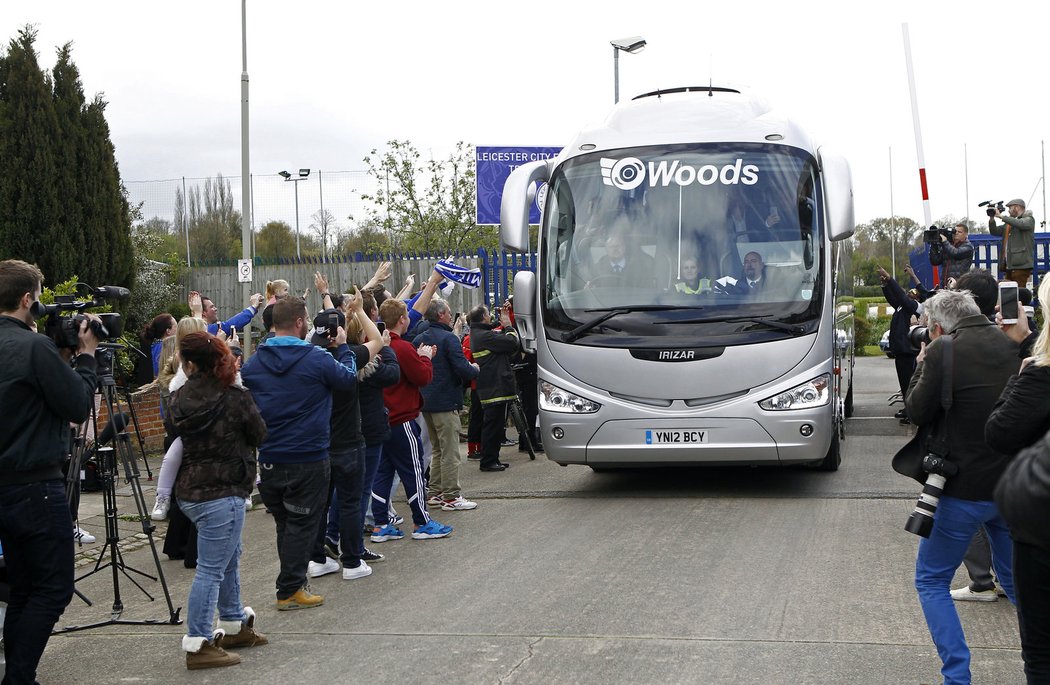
pixel 328 415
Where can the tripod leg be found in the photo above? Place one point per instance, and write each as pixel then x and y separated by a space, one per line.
pixel 138 431
pixel 518 414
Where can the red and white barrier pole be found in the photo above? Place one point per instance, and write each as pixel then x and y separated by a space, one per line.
pixel 918 137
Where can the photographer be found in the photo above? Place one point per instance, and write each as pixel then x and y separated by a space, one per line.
pixel 40 394
pixel 956 252
pixel 981 362
pixel 1016 255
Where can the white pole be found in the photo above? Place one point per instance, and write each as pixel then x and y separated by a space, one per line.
pixel 893 223
pixel 918 136
pixel 246 181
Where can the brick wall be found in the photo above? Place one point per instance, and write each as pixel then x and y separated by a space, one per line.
pixel 147 411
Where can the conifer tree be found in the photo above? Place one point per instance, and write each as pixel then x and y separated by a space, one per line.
pixel 70 247
pixel 29 203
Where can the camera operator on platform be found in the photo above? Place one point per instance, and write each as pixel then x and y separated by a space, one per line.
pixel 40 395
pixel 1017 253
pixel 955 252
pixel 982 361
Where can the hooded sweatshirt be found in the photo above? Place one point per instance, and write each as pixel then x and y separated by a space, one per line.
pixel 220 427
pixel 292 383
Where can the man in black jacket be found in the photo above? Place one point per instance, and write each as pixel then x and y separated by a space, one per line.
pixel 492 350
pixel 904 308
pixel 40 395
pixel 981 363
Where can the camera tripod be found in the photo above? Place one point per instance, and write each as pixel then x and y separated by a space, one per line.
pixel 110 460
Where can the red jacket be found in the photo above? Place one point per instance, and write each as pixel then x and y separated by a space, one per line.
pixel 403 400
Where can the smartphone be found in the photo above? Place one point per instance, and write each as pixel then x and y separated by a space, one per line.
pixel 333 325
pixel 1008 305
pixel 381 326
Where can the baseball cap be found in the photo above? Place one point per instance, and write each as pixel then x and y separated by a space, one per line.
pixel 1016 201
pixel 322 335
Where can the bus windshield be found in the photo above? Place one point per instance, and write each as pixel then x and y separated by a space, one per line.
pixel 718 243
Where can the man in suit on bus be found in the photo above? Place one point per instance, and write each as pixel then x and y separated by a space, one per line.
pixel 620 267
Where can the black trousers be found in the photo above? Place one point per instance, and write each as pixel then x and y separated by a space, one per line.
pixel 492 432
pixel 905 364
pixel 295 494
pixel 1032 585
pixel 37 536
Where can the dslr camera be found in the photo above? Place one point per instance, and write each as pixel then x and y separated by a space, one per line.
pixel 940 469
pixel 64 330
pixel 990 207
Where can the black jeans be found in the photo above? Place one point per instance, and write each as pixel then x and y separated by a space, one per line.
pixel 37 536
pixel 348 472
pixel 1032 585
pixel 295 494
pixel 492 432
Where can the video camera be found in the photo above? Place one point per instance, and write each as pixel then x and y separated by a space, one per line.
pixel 932 235
pixel 991 206
pixel 65 330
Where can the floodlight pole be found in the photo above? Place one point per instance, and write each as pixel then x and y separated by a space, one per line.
pixel 246 195
pixel 616 74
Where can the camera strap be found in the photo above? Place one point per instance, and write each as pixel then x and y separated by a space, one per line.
pixel 947 365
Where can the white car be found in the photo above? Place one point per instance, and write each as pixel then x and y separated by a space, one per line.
pixel 884 344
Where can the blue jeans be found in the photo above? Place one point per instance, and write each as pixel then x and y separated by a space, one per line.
pixel 37 535
pixel 954 525
pixel 217 582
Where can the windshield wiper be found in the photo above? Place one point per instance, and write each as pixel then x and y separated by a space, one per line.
pixel 610 313
pixel 793 329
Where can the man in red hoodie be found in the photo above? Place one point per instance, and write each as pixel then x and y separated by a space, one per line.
pixel 403 450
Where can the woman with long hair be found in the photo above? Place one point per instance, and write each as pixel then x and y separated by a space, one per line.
pixel 220 428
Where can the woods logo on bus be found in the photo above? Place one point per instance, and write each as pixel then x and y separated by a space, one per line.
pixel 630 172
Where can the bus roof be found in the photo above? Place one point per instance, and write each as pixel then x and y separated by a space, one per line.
pixel 690 115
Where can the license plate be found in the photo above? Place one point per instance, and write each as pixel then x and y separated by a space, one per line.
pixel 676 437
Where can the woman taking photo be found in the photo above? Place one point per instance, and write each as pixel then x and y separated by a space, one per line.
pixel 220 427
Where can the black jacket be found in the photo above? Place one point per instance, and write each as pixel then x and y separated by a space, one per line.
pixel 1022 414
pixel 381 372
pixel 900 323
pixel 984 359
pixel 40 395
pixel 1023 495
pixel 493 352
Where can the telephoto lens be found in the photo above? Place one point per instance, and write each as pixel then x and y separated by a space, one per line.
pixel 939 469
pixel 921 520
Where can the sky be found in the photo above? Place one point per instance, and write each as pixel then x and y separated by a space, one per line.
pixel 331 81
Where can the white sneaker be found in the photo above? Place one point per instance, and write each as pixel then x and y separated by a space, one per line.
pixel 160 509
pixel 81 535
pixel 359 572
pixel 248 503
pixel 315 570
pixel 458 504
pixel 434 501
pixel 965 594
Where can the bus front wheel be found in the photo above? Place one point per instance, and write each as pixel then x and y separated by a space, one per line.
pixel 834 456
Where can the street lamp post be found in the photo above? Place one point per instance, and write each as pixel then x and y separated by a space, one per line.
pixel 633 45
pixel 303 174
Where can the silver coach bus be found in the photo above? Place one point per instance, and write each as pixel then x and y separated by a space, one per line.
pixel 687 306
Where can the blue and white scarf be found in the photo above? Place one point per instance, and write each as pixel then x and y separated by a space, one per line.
pixel 468 278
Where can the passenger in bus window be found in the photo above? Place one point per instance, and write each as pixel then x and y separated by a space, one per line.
pixel 620 267
pixel 690 282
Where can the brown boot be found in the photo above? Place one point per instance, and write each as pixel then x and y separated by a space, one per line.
pixel 246 635
pixel 207 655
pixel 302 599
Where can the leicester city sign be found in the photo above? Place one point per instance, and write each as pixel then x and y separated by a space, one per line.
pixel 494 165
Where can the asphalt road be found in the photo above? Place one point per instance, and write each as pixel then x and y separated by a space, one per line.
pixel 561 575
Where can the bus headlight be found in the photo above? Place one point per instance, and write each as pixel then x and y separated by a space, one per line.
pixel 553 398
pixel 814 393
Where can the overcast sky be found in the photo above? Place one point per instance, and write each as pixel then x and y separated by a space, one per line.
pixel 332 80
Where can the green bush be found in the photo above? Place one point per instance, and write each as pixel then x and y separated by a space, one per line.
pixel 861 331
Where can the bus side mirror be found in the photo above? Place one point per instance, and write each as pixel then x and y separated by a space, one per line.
pixel 525 308
pixel 515 204
pixel 838 195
